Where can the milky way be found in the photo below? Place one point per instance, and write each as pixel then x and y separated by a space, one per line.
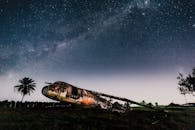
pixel 51 40
pixel 84 35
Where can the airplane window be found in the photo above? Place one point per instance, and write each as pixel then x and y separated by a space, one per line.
pixel 74 91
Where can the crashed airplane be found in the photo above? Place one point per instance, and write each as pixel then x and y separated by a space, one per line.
pixel 64 92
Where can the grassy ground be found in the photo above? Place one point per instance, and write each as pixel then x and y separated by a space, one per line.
pixel 95 119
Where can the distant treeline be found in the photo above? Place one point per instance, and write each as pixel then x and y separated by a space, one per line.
pixel 27 104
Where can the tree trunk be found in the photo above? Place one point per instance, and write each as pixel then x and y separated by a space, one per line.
pixel 22 97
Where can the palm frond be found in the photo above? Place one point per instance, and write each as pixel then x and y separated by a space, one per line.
pixel 27 86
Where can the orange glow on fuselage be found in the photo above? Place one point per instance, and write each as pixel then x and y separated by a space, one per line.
pixel 88 101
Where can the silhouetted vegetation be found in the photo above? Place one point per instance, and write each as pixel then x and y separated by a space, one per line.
pixel 187 84
pixel 56 115
pixel 26 86
pixel 24 105
pixel 143 102
pixel 150 104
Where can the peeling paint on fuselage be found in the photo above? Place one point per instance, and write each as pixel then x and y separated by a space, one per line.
pixel 64 92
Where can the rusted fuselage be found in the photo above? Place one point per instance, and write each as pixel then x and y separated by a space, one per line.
pixel 64 92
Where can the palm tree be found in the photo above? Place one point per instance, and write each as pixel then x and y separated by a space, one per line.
pixel 27 85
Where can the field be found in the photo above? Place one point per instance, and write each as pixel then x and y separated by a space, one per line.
pixel 96 119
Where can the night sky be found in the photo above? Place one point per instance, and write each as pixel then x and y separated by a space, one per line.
pixel 95 42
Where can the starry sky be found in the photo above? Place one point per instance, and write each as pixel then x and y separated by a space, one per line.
pixel 98 44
